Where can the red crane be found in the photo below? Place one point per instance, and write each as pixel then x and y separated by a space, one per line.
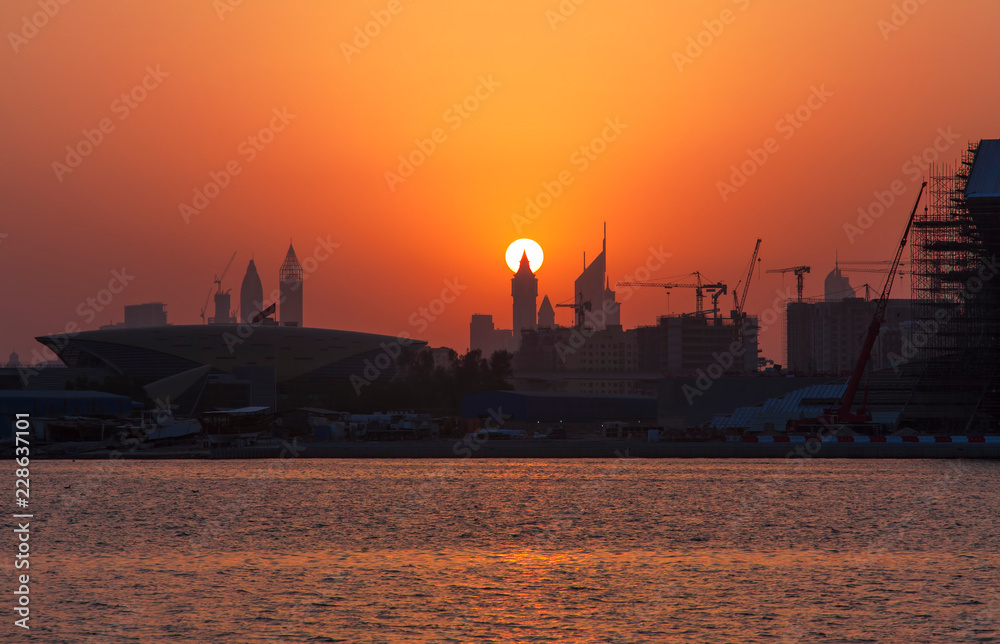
pixel 843 414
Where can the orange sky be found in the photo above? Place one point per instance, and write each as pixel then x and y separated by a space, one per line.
pixel 546 88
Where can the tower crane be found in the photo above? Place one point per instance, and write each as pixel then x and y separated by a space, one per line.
pixel 222 312
pixel 205 306
pixel 874 269
pixel 578 310
pixel 843 414
pixel 799 272
pixel 738 314
pixel 716 290
pixel 719 292
pixel 219 278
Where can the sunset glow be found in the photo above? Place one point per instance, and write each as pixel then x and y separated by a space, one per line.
pixel 264 376
pixel 517 249
pixel 463 127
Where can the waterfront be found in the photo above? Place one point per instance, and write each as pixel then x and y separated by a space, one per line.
pixel 614 550
pixel 766 447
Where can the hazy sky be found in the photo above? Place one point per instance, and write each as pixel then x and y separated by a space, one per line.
pixel 631 112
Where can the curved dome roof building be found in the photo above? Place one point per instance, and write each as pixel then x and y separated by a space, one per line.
pixel 224 366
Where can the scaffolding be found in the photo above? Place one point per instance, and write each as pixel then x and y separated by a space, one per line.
pixel 946 254
pixel 955 339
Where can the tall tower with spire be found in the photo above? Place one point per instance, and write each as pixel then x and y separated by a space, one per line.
pixel 251 295
pixel 290 281
pixel 524 290
pixel 596 307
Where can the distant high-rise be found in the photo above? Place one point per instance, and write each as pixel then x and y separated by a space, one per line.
pixel 825 338
pixel 222 309
pixel 837 286
pixel 487 339
pixel 524 289
pixel 595 301
pixel 251 295
pixel 148 314
pixel 546 314
pixel 290 279
pixel 481 334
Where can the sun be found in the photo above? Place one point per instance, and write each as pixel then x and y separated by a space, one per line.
pixel 521 246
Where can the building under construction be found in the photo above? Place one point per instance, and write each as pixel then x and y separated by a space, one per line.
pixel 597 356
pixel 954 249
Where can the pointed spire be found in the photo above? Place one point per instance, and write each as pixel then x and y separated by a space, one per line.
pixel 290 268
pixel 546 314
pixel 525 265
pixel 604 242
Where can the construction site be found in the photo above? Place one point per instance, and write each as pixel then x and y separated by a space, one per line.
pixel 925 365
pixel 864 361
pixel 596 355
pixel 951 363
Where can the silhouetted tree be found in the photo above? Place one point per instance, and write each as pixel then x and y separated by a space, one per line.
pixel 422 386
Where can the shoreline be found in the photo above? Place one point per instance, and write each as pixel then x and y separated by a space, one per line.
pixel 556 449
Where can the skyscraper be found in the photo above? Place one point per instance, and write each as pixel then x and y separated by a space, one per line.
pixel 546 314
pixel 481 334
pixel 223 312
pixel 596 307
pixel 524 290
pixel 148 314
pixel 290 279
pixel 611 307
pixel 251 295
pixel 837 286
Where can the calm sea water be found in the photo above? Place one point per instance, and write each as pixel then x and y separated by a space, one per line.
pixel 621 550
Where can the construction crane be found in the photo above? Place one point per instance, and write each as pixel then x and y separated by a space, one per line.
pixel 222 312
pixel 578 310
pixel 716 290
pixel 883 270
pixel 719 290
pixel 205 306
pixel 739 302
pixel 799 272
pixel 843 414
pixel 219 278
pixel 879 262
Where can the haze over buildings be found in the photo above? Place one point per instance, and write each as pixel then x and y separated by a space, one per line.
pixel 140 315
pixel 326 168
pixel 826 337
